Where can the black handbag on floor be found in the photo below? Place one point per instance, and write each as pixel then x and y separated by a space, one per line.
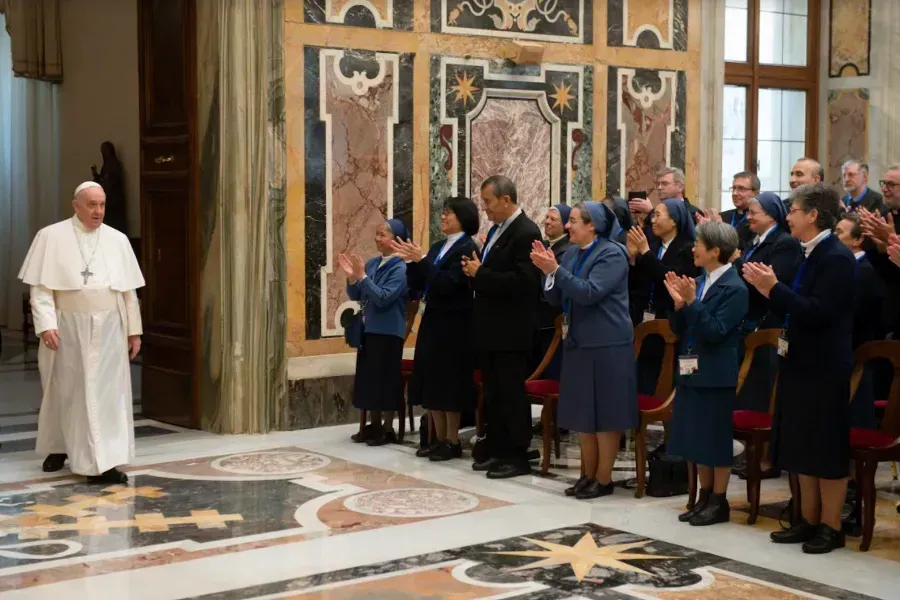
pixel 668 474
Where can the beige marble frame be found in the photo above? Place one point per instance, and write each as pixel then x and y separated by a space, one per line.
pixel 424 43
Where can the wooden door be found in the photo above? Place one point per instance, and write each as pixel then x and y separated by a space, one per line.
pixel 169 210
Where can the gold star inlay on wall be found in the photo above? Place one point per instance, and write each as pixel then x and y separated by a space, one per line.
pixel 563 97
pixel 465 88
pixel 584 555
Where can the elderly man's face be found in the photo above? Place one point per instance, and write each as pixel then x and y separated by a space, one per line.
pixel 854 178
pixel 802 173
pixel 890 188
pixel 553 225
pixel 667 187
pixel 90 206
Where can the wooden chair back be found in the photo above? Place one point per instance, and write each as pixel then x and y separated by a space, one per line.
pixel 661 327
pixel 551 349
pixel 412 309
pixel 887 350
pixel 758 339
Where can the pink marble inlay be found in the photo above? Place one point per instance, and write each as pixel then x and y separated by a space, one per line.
pixel 511 137
pixel 359 170
pixel 848 130
pixel 646 135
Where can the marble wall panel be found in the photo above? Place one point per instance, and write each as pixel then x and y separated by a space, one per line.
pixel 658 24
pixel 848 130
pixel 530 123
pixel 545 20
pixel 373 14
pixel 358 118
pixel 646 126
pixel 320 402
pixel 850 38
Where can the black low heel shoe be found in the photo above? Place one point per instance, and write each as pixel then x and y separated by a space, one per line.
pixel 446 451
pixel 595 489
pixel 579 485
pixel 384 437
pixel 54 463
pixel 717 510
pixel 699 505
pixel 111 476
pixel 797 534
pixel 825 540
pixel 427 450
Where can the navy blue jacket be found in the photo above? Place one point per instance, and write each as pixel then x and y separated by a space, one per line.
pixel 781 252
pixel 713 325
pixel 384 293
pixel 446 284
pixel 598 296
pixel 820 330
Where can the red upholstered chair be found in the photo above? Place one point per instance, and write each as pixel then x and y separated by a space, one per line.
pixel 655 408
pixel 406 369
pixel 868 447
pixel 546 393
pixel 752 427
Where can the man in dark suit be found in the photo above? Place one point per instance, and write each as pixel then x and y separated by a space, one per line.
pixel 855 179
pixel 744 185
pixel 507 287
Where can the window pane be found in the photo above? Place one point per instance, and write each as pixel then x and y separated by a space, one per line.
pixel 782 32
pixel 736 34
pixel 734 134
pixel 781 136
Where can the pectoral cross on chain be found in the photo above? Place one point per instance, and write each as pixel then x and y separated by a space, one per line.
pixel 86 274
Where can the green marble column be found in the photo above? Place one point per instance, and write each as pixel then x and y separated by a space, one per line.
pixel 241 192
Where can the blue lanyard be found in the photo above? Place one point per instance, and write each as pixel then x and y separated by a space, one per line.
pixel 567 303
pixel 659 254
pixel 739 223
pixel 700 287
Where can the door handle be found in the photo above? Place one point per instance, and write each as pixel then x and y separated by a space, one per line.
pixel 161 160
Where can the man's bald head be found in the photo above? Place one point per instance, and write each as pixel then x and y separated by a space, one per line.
pixel 805 171
pixel 89 203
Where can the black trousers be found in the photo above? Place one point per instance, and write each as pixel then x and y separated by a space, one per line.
pixel 507 410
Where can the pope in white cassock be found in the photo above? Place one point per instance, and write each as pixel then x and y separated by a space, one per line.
pixel 83 276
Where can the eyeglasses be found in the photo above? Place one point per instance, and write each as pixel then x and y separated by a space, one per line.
pixel 796 209
pixel 888 185
pixel 740 188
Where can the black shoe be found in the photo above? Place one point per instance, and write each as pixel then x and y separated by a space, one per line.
pixel 700 504
pixel 383 437
pixel 427 450
pixel 797 534
pixel 715 511
pixel 595 489
pixel 850 527
pixel 532 455
pixel 111 476
pixel 579 485
pixel 364 435
pixel 54 462
pixel 825 540
pixel 507 470
pixel 446 451
pixel 484 465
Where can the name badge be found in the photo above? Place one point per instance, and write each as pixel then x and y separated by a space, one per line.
pixel 782 347
pixel 688 365
pixel 565 326
pixel 648 316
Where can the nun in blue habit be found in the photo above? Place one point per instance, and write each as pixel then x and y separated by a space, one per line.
pixel 598 390
pixel 380 287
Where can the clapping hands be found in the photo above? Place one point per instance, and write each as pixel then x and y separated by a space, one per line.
pixel 877 228
pixel 352 266
pixel 682 289
pixel 543 258
pixel 637 242
pixel 408 250
pixel 760 276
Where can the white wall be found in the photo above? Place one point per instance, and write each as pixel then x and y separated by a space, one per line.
pixel 99 95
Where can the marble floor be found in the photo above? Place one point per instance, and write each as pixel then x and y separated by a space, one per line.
pixel 310 515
